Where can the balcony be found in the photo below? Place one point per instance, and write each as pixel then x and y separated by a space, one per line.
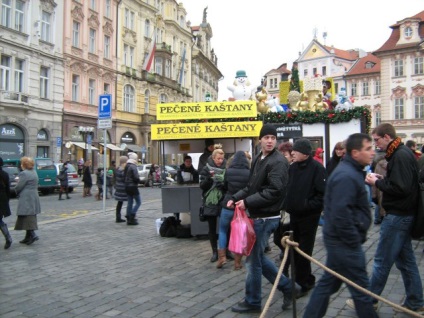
pixel 164 81
pixel 13 97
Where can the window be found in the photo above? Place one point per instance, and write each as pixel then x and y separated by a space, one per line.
pixel 168 68
pixel 129 19
pixel 163 98
pixel 5 72
pixel 365 90
pixel 106 88
pixel 6 12
pixel 93 4
pixel 377 87
pixel 158 65
pixel 19 75
pixel 92 43
pixel 324 71
pixel 314 71
pixel 128 55
pixel 44 82
pixel 91 91
pixel 107 8
pixel 75 88
pixel 418 65
pixel 182 21
pixel 353 90
pixel 146 101
pixel 75 34
pixel 377 118
pixel 19 16
pixel 399 108
pixel 128 98
pixel 399 68
pixel 107 47
pixel 419 107
pixel 305 72
pixel 45 26
pixel 147 29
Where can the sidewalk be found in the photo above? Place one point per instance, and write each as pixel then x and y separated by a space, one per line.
pixel 90 266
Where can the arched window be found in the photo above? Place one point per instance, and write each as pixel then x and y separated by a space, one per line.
pixel 147 29
pixel 146 101
pixel 129 99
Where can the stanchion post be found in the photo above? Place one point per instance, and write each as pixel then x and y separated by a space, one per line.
pixel 292 274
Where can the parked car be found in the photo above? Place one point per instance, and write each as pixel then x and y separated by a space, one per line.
pixel 73 180
pixel 172 171
pixel 13 172
pixel 143 173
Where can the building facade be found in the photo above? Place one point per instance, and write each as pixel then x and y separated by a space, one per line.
pixel 31 79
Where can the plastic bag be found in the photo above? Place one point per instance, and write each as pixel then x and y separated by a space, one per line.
pixel 242 237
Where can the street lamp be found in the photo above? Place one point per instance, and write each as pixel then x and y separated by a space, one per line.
pixel 86 131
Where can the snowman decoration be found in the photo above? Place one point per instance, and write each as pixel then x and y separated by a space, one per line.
pixel 241 88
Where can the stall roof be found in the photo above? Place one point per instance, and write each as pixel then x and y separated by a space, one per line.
pixel 111 147
pixel 83 145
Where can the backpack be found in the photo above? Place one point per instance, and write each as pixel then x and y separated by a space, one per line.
pixel 169 227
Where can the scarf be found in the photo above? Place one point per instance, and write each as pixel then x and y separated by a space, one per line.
pixel 393 145
pixel 214 195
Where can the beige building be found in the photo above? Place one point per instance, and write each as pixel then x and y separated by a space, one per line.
pixel 31 79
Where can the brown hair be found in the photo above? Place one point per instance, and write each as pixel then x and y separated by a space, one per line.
pixel 285 146
pixel 27 163
pixel 384 129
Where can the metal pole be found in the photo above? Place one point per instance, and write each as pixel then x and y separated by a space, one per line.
pixel 104 171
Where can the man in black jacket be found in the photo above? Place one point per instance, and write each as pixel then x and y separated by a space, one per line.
pixel 186 173
pixel 400 201
pixel 263 198
pixel 347 220
pixel 304 203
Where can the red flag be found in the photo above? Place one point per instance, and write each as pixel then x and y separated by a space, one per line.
pixel 149 58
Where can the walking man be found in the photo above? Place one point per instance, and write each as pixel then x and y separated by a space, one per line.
pixel 347 220
pixel 400 200
pixel 263 197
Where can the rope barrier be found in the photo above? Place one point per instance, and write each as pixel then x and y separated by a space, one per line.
pixel 286 242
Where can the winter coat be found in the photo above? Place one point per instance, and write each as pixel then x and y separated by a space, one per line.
pixel 99 181
pixel 317 156
pixel 27 189
pixel 86 177
pixel 265 193
pixel 4 194
pixel 194 174
pixel 400 186
pixel 204 159
pixel 64 173
pixel 131 178
pixel 120 193
pixel 346 204
pixel 236 176
pixel 333 162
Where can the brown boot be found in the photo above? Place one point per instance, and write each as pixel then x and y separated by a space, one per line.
pixel 84 192
pixel 237 261
pixel 222 259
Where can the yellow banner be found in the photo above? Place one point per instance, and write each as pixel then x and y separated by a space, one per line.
pixel 237 129
pixel 206 110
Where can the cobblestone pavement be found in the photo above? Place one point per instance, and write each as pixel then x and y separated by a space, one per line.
pixel 89 266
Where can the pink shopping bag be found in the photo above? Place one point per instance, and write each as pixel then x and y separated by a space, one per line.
pixel 242 237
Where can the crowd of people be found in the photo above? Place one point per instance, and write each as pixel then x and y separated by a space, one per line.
pixel 288 179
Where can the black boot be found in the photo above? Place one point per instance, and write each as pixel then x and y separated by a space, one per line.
pixel 32 237
pixel 132 220
pixel 60 195
pixel 7 236
pixel 25 240
pixel 118 217
pixel 67 194
pixel 214 257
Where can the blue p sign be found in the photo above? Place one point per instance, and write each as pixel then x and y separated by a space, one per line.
pixel 105 106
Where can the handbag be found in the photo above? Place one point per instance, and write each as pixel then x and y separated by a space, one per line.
pixel 417 230
pixel 242 237
pixel 202 217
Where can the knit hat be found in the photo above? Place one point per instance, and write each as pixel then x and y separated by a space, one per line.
pixel 268 129
pixel 133 156
pixel 303 145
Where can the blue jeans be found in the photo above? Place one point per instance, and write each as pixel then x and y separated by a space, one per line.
pixel 349 262
pixel 132 210
pixel 395 247
pixel 257 264
pixel 224 227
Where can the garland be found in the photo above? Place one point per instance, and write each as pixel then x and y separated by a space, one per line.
pixel 306 117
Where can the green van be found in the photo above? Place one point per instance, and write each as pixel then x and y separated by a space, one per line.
pixel 46 172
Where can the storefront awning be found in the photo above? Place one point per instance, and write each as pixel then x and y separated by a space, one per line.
pixel 134 148
pixel 83 145
pixel 111 147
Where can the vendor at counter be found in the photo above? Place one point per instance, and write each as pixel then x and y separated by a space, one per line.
pixel 186 173
pixel 209 147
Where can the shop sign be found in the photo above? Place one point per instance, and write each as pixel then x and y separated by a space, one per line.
pixel 206 110
pixel 238 129
pixel 287 131
pixel 128 138
pixel 42 135
pixel 11 132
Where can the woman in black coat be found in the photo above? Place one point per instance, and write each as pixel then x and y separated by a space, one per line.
pixel 4 204
pixel 63 179
pixel 337 155
pixel 86 178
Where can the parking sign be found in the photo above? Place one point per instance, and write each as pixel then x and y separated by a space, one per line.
pixel 105 106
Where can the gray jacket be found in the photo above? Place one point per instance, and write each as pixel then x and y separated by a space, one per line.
pixel 27 189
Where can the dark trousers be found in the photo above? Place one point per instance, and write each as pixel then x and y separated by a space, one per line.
pixel 304 232
pixel 213 237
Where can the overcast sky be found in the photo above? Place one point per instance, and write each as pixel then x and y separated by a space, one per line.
pixel 257 36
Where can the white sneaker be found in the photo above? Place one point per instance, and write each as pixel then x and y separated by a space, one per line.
pixel 350 303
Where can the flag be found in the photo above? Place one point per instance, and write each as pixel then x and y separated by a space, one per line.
pixel 148 61
pixel 182 67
